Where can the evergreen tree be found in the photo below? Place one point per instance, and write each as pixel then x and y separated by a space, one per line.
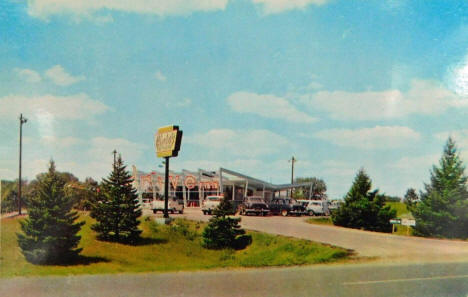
pixel 443 209
pixel 411 197
pixel 363 208
pixel 50 231
pixel 223 231
pixel 116 209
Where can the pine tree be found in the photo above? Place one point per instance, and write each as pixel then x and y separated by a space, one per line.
pixel 116 209
pixel 411 197
pixel 443 209
pixel 223 231
pixel 363 208
pixel 50 231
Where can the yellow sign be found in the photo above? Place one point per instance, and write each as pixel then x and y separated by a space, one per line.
pixel 167 141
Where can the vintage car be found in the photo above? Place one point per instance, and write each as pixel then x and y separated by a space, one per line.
pixel 285 207
pixel 254 205
pixel 316 207
pixel 211 203
pixel 173 205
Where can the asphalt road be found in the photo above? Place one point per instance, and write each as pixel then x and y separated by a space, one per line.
pixel 398 274
pixel 369 280
pixel 387 247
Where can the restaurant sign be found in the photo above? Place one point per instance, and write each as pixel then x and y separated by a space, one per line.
pixel 167 141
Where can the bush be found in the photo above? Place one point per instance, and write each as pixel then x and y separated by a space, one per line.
pixel 363 208
pixel 223 231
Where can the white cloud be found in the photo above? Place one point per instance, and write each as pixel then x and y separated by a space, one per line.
pixel 60 142
pixel 102 147
pixel 423 97
pixel 459 136
pixel 186 102
pixel 268 106
pixel 45 8
pixel 246 143
pixel 82 157
pixel 160 76
pixel 60 77
pixel 28 75
pixel 278 6
pixel 371 138
pixel 49 107
pixel 418 163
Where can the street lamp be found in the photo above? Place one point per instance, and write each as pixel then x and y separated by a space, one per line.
pixel 22 121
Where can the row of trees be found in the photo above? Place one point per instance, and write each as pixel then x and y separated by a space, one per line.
pixel 83 194
pixel 49 233
pixel 440 210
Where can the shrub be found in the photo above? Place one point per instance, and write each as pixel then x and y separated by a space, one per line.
pixel 363 208
pixel 223 231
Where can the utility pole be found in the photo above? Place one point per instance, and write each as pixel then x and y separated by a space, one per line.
pixel 292 160
pixel 22 121
pixel 115 153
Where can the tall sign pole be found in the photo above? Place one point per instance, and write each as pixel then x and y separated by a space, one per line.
pixel 22 121
pixel 166 189
pixel 167 141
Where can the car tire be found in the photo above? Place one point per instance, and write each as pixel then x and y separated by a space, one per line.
pixel 311 213
pixel 181 211
pixel 155 211
pixel 284 213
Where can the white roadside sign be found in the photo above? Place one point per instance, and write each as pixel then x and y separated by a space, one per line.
pixel 408 222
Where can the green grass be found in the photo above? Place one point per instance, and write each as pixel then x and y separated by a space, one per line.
pixel 165 248
pixel 320 220
pixel 402 213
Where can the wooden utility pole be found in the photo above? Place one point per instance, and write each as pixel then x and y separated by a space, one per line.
pixel 292 160
pixel 115 154
pixel 22 121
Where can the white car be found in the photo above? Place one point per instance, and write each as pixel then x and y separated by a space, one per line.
pixel 173 205
pixel 210 204
pixel 316 207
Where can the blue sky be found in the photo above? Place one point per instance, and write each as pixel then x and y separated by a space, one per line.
pixel 338 84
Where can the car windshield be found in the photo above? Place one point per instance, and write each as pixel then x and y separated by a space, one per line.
pixel 214 198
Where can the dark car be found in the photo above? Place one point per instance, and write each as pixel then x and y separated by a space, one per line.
pixel 286 206
pixel 254 205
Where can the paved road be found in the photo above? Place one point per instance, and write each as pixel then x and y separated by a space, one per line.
pixel 428 280
pixel 369 244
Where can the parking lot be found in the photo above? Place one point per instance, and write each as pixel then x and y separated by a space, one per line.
pixel 386 247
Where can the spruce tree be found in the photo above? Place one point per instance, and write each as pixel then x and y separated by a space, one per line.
pixel 363 208
pixel 50 231
pixel 223 231
pixel 443 209
pixel 411 197
pixel 116 209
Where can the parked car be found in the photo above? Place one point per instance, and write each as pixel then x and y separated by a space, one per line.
pixel 334 205
pixel 211 203
pixel 254 205
pixel 173 205
pixel 316 207
pixel 286 206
